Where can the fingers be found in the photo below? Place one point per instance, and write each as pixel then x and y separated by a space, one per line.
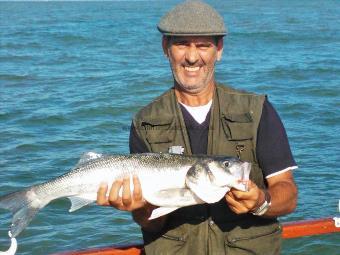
pixel 128 201
pixel 126 196
pixel 234 204
pixel 101 194
pixel 114 199
pixel 137 192
pixel 243 201
pixel 243 195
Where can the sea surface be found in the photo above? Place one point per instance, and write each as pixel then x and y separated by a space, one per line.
pixel 73 74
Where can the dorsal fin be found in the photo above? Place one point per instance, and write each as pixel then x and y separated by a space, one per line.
pixel 87 157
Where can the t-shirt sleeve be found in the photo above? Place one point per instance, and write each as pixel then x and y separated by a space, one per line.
pixel 135 143
pixel 272 149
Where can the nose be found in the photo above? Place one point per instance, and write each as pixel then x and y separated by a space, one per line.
pixel 192 55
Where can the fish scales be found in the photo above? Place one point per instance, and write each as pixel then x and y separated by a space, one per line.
pixel 169 181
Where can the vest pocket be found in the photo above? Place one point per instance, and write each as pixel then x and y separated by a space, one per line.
pixel 160 133
pixel 237 126
pixel 172 242
pixel 257 240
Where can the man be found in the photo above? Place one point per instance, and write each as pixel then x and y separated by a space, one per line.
pixel 199 116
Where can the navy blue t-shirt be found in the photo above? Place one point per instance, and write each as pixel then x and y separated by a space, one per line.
pixel 272 149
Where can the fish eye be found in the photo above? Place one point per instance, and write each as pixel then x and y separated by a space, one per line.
pixel 226 163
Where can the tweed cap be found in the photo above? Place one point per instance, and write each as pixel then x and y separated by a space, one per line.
pixel 192 18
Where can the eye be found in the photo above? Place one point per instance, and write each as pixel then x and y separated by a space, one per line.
pixel 226 163
pixel 203 46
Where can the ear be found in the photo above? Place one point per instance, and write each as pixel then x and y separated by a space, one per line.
pixel 165 42
pixel 219 48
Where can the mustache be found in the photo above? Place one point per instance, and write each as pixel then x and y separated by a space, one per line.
pixel 198 64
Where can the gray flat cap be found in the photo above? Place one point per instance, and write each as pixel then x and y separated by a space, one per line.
pixel 192 18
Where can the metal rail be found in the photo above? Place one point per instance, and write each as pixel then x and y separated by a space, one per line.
pixel 290 230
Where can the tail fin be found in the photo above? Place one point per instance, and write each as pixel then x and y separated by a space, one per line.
pixel 24 205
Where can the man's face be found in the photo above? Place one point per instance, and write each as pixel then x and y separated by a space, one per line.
pixel 192 60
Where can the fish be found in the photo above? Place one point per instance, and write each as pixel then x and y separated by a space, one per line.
pixel 168 181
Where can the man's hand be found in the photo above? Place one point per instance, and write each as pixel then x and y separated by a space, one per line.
pixel 127 202
pixel 141 210
pixel 281 188
pixel 245 201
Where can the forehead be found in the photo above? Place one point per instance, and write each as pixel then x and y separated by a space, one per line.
pixel 193 39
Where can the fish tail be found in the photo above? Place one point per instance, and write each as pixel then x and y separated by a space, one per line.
pixel 24 205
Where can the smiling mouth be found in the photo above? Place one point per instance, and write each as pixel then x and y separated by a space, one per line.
pixel 192 69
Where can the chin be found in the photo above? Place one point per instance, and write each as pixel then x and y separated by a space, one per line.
pixel 190 85
pixel 191 88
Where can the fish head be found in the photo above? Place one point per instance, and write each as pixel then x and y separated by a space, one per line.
pixel 211 178
pixel 228 171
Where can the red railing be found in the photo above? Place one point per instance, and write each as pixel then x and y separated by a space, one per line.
pixel 290 230
pixel 309 228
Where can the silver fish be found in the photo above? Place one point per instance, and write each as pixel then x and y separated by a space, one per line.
pixel 169 181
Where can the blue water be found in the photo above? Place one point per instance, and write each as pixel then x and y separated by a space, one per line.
pixel 72 75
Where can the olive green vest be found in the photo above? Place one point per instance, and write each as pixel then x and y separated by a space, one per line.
pixel 209 229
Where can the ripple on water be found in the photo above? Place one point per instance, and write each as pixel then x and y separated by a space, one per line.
pixel 17 77
pixel 73 75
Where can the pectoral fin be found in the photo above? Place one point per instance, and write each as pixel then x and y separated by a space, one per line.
pixel 161 211
pixel 78 202
pixel 208 193
pixel 177 197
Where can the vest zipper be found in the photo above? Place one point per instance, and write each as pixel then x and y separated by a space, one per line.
pixel 239 149
pixel 234 240
pixel 174 238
